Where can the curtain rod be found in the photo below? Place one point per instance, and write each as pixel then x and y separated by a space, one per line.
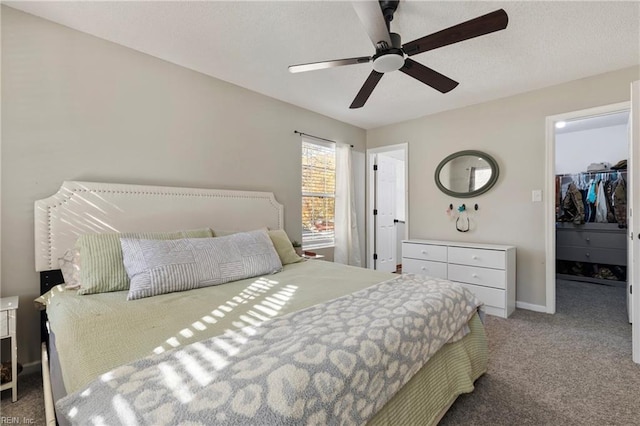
pixel 317 137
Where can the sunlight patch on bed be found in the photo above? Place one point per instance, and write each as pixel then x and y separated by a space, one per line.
pixel 209 319
pixel 73 412
pixel 236 337
pixel 266 310
pixel 126 415
pixel 98 421
pixel 173 342
pixel 199 326
pixel 186 333
pixel 107 377
pixel 273 300
pixel 217 361
pixel 225 346
pixel 174 382
pixel 194 368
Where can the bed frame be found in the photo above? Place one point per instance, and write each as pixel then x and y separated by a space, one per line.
pixel 89 207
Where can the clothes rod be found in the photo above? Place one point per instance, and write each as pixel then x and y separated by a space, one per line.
pixel 317 137
pixel 592 173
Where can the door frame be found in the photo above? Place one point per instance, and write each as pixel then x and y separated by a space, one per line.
pixel 370 219
pixel 549 200
pixel 635 220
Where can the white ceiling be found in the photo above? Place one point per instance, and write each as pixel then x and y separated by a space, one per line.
pixel 251 44
pixel 595 122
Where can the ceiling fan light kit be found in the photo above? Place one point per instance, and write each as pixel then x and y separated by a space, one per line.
pixel 392 55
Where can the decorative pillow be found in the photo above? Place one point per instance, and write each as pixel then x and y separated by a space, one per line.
pixel 283 246
pixel 158 267
pixel 102 268
pixel 70 266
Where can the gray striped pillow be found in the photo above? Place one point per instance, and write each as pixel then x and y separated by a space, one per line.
pixel 102 269
pixel 158 267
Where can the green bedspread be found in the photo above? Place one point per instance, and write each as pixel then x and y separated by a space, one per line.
pixel 96 333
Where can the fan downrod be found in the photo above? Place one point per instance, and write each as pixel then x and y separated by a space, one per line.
pixel 388 7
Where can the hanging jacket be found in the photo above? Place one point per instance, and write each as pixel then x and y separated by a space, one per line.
pixel 591 195
pixel 601 204
pixel 620 202
pixel 573 206
pixel 608 190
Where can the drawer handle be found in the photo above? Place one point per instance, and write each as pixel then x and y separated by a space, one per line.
pixel 423 252
pixel 588 255
pixel 588 239
pixel 423 268
pixel 474 257
pixel 474 275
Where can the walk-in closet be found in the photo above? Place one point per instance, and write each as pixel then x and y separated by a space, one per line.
pixel 591 201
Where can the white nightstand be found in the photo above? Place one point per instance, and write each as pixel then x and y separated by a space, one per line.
pixel 8 310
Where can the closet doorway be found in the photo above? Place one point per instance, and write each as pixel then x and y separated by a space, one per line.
pixel 591 204
pixel 632 186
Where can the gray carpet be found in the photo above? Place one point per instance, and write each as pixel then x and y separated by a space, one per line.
pixel 572 368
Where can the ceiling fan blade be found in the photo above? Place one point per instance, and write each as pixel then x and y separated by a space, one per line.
pixel 428 76
pixel 373 20
pixel 328 64
pixel 367 88
pixel 485 24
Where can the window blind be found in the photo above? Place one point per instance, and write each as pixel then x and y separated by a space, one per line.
pixel 318 194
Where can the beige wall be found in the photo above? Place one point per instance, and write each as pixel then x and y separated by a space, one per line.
pixel 512 130
pixel 75 107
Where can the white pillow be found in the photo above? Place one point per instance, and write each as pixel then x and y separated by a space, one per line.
pixel 70 266
pixel 164 266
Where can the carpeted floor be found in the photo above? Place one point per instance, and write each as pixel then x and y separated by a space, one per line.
pixel 29 408
pixel 572 368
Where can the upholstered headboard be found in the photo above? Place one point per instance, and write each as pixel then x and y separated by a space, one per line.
pixel 89 207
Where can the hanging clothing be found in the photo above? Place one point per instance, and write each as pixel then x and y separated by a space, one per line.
pixel 620 202
pixel 601 204
pixel 608 190
pixel 597 193
pixel 573 206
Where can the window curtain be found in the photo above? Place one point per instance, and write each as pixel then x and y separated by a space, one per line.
pixel 347 243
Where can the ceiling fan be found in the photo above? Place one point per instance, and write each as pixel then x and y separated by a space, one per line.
pixel 392 55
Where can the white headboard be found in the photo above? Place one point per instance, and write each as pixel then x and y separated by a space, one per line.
pixel 89 207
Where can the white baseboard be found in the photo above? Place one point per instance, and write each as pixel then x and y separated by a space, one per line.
pixel 32 368
pixel 531 307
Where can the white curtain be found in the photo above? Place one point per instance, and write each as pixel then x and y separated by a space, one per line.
pixel 347 243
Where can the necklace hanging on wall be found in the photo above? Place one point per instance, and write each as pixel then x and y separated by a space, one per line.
pixel 462 222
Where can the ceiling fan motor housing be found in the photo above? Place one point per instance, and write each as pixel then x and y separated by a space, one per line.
pixel 390 58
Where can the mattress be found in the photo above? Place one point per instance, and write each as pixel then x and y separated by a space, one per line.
pixel 97 333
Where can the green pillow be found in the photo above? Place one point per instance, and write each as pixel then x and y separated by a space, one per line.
pixel 283 246
pixel 102 264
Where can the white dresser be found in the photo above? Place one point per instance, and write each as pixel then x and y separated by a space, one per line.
pixel 488 270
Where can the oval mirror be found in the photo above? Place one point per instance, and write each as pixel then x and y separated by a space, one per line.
pixel 466 174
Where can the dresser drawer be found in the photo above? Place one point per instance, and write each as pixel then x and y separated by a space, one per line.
pixel 610 240
pixel 477 257
pixel 592 255
pixel 425 252
pixel 487 277
pixel 424 267
pixel 489 296
pixel 4 323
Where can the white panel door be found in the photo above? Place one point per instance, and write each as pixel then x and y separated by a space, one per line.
pixel 633 202
pixel 385 204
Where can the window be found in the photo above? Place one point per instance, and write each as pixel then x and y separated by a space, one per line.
pixel 318 194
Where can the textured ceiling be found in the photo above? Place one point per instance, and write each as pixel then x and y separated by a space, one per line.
pixel 252 43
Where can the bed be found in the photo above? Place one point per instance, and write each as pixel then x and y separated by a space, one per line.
pixel 261 336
